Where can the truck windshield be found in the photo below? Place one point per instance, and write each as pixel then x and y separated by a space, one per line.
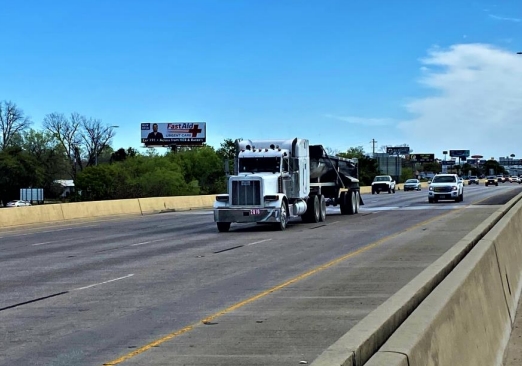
pixel 381 179
pixel 444 179
pixel 258 165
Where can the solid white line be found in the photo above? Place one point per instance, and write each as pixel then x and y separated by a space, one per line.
pixel 47 242
pixel 102 283
pixel 147 242
pixel 257 242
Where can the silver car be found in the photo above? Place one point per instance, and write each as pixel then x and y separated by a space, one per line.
pixel 412 185
pixel 18 203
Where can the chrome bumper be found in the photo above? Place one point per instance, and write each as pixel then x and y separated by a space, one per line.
pixel 245 215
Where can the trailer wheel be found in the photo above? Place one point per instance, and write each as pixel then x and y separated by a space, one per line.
pixel 223 227
pixel 352 203
pixel 344 203
pixel 322 208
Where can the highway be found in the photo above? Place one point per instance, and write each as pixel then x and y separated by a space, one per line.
pixel 168 289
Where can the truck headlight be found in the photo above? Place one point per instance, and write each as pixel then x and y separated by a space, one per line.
pixel 454 188
pixel 222 198
pixel 271 197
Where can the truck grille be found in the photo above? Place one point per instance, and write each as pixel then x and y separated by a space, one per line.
pixel 442 189
pixel 246 192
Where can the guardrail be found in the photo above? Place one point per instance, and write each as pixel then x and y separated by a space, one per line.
pixel 19 216
pixel 458 311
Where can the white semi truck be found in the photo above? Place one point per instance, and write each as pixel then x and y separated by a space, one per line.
pixel 275 180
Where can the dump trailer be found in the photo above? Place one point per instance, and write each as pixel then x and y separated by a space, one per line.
pixel 275 180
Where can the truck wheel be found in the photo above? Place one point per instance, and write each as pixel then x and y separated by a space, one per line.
pixel 389 190
pixel 352 203
pixel 312 211
pixel 223 227
pixel 281 225
pixel 322 208
pixel 344 203
pixel 357 201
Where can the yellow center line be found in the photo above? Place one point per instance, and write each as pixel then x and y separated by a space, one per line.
pixel 271 290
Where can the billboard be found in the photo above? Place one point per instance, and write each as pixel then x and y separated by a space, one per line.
pixel 459 153
pixel 398 150
pixel 173 133
pixel 422 158
pixel 448 162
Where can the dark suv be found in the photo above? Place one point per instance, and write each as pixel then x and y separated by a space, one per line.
pixel 491 180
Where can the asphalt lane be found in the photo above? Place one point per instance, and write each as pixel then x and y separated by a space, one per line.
pixel 92 293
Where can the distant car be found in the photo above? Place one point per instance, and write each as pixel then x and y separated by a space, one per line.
pixel 514 179
pixel 383 183
pixel 18 203
pixel 491 180
pixel 501 179
pixel 473 179
pixel 412 185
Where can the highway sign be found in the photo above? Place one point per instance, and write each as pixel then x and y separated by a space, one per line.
pixel 422 158
pixel 459 153
pixel 398 150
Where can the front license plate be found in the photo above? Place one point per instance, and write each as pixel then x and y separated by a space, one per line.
pixel 442 196
pixel 255 211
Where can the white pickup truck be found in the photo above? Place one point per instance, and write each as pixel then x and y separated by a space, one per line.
pixel 446 187
pixel 383 183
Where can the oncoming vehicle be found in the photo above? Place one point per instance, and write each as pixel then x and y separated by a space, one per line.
pixel 383 183
pixel 412 185
pixel 446 187
pixel 514 179
pixel 18 203
pixel 491 180
pixel 473 179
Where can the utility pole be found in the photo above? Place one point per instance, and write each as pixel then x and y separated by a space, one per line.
pixel 373 148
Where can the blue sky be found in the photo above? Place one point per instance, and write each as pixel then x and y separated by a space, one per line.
pixel 340 73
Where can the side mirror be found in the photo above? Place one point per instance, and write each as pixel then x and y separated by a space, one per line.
pixel 429 182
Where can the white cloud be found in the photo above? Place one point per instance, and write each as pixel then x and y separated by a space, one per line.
pixel 497 17
pixel 362 120
pixel 476 102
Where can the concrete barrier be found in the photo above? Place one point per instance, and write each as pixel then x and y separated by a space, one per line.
pixel 17 216
pixel 177 203
pixel 82 210
pixel 468 318
pixel 361 342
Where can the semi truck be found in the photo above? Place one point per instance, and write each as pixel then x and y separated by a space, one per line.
pixel 275 180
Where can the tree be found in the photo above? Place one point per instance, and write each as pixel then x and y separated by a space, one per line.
pixel 83 139
pixel 12 123
pixel 227 152
pixel 18 169
pixel 121 154
pixel 368 167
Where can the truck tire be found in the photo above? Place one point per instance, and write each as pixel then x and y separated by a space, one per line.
pixel 357 201
pixel 281 225
pixel 312 211
pixel 223 227
pixel 344 203
pixel 352 202
pixel 322 208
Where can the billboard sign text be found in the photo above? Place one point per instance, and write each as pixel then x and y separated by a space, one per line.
pixel 459 153
pixel 398 150
pixel 173 133
pixel 422 158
